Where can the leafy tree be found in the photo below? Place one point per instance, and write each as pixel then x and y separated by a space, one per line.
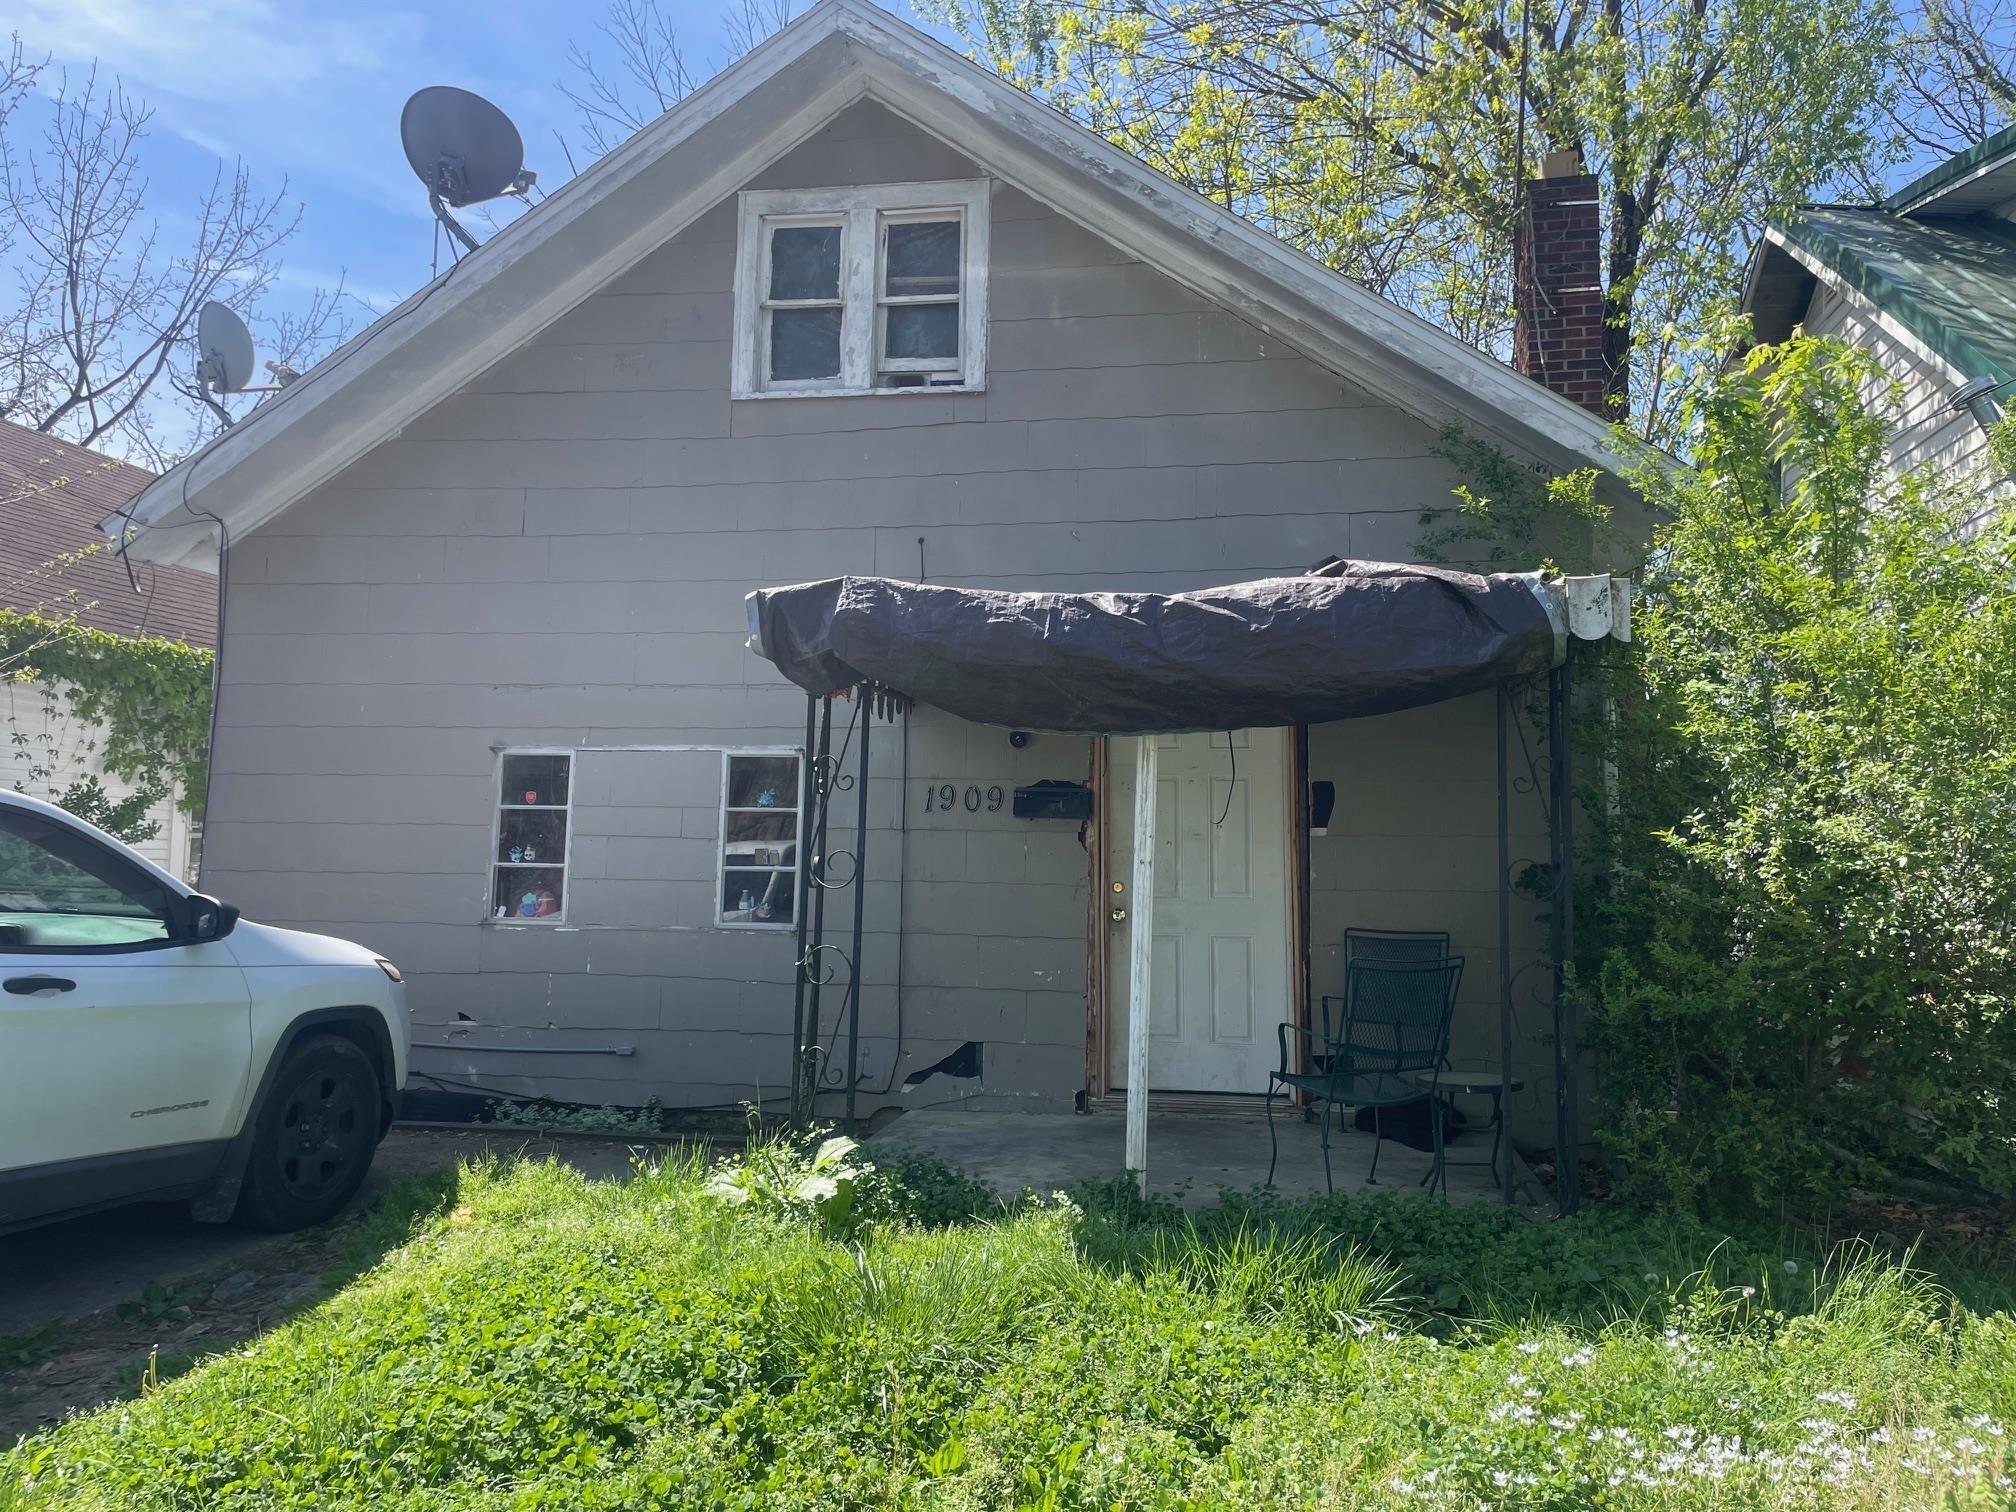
pixel 1799 970
pixel 1387 137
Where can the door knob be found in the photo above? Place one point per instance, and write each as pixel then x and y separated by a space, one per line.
pixel 1119 915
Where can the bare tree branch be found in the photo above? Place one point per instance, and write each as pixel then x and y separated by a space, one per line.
pixel 106 301
pixel 651 73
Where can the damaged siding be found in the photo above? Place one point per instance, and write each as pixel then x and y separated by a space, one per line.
pixel 557 555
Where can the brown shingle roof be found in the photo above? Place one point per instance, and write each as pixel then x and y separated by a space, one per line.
pixel 52 496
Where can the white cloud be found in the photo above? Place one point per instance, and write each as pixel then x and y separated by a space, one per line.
pixel 221 51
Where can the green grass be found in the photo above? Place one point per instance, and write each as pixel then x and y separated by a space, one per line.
pixel 539 1341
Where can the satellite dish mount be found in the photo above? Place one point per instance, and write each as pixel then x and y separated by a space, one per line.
pixel 464 150
pixel 224 358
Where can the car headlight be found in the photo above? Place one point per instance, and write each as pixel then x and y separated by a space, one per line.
pixel 389 969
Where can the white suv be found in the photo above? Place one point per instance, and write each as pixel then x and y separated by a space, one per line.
pixel 152 1047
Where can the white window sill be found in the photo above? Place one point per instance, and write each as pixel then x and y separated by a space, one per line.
pixel 917 392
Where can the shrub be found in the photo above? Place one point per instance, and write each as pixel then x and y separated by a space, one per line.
pixel 1797 959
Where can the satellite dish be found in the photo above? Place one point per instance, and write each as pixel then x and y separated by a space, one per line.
pixel 464 149
pixel 223 349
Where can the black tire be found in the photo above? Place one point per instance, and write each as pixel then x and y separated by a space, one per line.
pixel 313 1138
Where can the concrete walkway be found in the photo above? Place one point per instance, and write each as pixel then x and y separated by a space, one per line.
pixel 1191 1156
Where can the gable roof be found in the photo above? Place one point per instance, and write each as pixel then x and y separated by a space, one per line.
pixel 1976 179
pixel 722 135
pixel 1948 285
pixel 53 494
pixel 1934 263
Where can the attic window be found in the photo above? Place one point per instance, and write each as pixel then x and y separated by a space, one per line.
pixel 871 289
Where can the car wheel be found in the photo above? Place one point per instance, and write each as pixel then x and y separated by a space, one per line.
pixel 314 1137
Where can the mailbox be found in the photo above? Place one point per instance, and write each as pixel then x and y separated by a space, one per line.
pixel 1053 799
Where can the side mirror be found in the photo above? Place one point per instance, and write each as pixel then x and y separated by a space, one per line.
pixel 208 919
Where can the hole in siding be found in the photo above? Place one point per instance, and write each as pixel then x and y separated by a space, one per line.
pixel 964 1062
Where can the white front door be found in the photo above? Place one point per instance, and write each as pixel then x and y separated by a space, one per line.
pixel 1220 967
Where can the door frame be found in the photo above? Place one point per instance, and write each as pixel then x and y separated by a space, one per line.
pixel 1098 1089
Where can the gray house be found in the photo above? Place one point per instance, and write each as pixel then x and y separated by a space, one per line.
pixel 855 307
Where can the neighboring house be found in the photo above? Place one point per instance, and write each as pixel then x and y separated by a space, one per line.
pixel 855 306
pixel 1926 280
pixel 56 562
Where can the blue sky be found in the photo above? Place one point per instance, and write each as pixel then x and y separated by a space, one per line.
pixel 310 94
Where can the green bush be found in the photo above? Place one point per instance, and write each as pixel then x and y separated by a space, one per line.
pixel 547 1342
pixel 1797 961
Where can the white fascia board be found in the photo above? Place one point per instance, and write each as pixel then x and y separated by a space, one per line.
pixel 1216 253
pixel 590 232
pixel 1863 305
pixel 709 146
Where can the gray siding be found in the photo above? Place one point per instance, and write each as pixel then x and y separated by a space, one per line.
pixel 557 557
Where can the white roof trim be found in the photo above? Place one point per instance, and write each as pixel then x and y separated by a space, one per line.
pixel 1861 303
pixel 649 189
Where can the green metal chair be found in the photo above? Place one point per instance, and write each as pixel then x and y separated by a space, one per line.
pixel 1380 945
pixel 1392 1043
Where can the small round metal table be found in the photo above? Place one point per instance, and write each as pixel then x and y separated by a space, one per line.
pixel 1476 1083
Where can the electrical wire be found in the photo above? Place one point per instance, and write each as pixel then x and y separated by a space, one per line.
pixel 1231 786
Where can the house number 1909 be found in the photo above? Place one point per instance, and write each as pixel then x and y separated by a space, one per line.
pixel 944 797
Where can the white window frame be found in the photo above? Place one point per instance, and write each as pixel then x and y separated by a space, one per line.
pixel 721 866
pixel 863 212
pixel 498 808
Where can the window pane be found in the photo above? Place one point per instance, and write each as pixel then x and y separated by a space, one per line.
pixel 61 889
pixel 804 344
pixel 535 780
pixel 527 835
pixel 924 330
pixel 763 782
pixel 923 257
pixel 758 897
pixel 761 839
pixel 805 262
pixel 524 892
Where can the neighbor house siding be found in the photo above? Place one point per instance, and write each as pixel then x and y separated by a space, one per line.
pixel 557 556
pixel 1925 428
pixel 48 747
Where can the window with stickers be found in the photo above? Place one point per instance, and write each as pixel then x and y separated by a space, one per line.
pixel 761 805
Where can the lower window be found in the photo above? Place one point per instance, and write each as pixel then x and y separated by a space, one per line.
pixel 760 804
pixel 535 806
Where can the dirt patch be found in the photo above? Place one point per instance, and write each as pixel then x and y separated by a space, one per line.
pixel 197 1302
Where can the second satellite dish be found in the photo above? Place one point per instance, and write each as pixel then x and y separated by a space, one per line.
pixel 464 149
pixel 223 348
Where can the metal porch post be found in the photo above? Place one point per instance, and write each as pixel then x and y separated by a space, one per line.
pixel 1504 948
pixel 812 963
pixel 808 787
pixel 1140 958
pixel 867 717
pixel 1567 1171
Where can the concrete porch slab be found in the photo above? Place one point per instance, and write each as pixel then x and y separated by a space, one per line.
pixel 1191 1156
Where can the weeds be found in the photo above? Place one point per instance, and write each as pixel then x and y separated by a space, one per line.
pixel 540 1341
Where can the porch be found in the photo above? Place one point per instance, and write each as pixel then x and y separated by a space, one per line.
pixel 1200 945
pixel 1197 1154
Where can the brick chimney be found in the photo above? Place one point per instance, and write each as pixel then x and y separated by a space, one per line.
pixel 1557 298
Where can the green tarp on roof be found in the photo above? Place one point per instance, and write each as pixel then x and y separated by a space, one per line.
pixel 1951 284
